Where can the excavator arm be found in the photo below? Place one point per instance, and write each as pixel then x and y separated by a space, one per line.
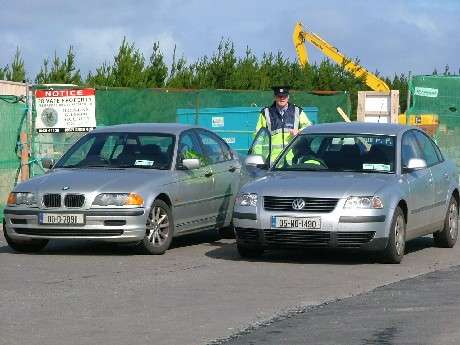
pixel 300 37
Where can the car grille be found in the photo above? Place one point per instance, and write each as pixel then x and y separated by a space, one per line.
pixel 52 200
pixel 74 200
pixel 296 238
pixel 317 205
pixel 246 234
pixel 354 239
pixel 69 232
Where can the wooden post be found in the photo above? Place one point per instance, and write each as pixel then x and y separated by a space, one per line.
pixel 24 157
pixel 361 111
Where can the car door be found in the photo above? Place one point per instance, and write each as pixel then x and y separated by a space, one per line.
pixel 420 185
pixel 193 194
pixel 440 173
pixel 226 171
pixel 261 146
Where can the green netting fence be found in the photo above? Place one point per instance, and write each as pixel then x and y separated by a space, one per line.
pixel 126 105
pixel 435 106
pixel 12 114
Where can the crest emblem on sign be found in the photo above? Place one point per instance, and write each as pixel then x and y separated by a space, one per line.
pixel 298 204
pixel 49 117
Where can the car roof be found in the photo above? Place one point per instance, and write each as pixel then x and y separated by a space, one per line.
pixel 357 128
pixel 166 128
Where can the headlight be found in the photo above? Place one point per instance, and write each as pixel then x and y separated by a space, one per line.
pixel 366 202
pixel 247 199
pixel 26 199
pixel 118 199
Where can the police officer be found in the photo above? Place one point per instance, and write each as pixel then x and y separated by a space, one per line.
pixel 282 119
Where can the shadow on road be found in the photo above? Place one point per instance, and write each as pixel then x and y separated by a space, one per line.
pixel 331 256
pixel 88 247
pixel 221 249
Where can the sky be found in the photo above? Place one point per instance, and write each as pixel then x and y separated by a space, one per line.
pixel 389 36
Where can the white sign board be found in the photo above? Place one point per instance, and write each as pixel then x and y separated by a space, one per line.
pixel 218 121
pixel 426 92
pixel 71 110
pixel 378 104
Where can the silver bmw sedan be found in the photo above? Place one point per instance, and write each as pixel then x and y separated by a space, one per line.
pixel 141 183
pixel 358 185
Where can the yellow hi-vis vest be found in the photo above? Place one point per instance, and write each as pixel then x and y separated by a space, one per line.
pixel 280 126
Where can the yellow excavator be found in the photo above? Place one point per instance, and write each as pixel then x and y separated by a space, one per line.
pixel 301 36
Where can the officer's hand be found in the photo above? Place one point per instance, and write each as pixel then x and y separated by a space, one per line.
pixel 294 131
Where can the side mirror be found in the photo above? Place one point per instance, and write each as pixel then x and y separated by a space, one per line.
pixel 415 164
pixel 48 163
pixel 255 161
pixel 191 163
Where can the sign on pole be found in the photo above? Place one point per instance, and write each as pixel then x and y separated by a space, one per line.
pixel 70 110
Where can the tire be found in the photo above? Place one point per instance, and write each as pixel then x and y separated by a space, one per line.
pixel 227 232
pixel 159 229
pixel 447 237
pixel 249 252
pixel 30 245
pixel 394 252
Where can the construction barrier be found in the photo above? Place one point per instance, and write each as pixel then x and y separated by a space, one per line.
pixel 13 120
pixel 434 105
pixel 126 105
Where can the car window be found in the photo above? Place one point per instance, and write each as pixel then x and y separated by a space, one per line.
pixel 261 145
pixel 120 150
pixel 428 149
pixel 212 147
pixel 409 149
pixel 189 148
pixel 340 152
pixel 82 150
pixel 112 147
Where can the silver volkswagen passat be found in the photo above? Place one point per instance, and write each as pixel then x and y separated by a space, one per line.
pixel 358 185
pixel 141 183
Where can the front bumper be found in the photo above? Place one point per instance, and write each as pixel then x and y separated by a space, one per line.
pixel 360 229
pixel 115 225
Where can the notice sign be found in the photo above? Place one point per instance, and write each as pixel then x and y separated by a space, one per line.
pixel 71 110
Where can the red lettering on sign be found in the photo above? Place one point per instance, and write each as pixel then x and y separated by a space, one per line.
pixel 64 93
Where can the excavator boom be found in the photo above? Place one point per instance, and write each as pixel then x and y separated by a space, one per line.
pixel 300 36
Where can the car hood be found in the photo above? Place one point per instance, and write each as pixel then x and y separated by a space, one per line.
pixel 319 184
pixel 89 180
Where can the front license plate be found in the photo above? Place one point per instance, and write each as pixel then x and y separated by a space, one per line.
pixel 296 223
pixel 64 219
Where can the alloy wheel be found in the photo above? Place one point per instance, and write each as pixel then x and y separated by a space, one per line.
pixel 399 235
pixel 158 226
pixel 453 220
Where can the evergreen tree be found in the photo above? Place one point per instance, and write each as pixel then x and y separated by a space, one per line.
pixel 61 71
pixel 181 76
pixel 156 71
pixel 15 72
pixel 128 67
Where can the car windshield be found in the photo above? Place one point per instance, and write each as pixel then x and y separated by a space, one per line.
pixel 339 152
pixel 120 150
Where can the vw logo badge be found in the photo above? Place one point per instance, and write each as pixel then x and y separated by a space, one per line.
pixel 298 204
pixel 65 188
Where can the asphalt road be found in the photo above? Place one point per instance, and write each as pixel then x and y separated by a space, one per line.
pixel 421 310
pixel 199 291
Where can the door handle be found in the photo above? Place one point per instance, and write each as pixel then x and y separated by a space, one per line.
pixel 208 174
pixel 232 169
pixel 446 176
